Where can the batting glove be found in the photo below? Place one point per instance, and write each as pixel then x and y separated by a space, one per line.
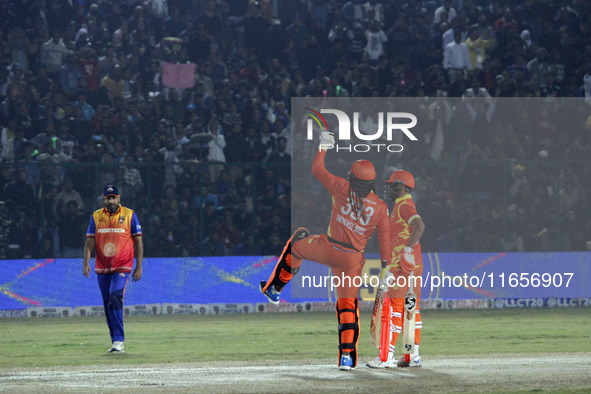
pixel 326 140
pixel 407 262
pixel 387 282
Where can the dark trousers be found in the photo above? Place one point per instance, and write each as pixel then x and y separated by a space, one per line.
pixel 113 289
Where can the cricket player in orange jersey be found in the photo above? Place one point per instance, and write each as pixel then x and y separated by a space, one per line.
pixel 406 229
pixel 356 212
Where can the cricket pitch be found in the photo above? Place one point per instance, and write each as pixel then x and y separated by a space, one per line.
pixel 495 373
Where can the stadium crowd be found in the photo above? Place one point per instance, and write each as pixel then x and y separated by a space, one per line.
pixel 81 82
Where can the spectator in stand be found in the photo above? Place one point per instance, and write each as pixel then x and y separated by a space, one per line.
pixel 49 135
pixel 113 81
pixel 6 230
pixel 507 23
pixel 253 150
pixel 68 141
pixel 82 40
pixel 72 223
pixel 222 183
pixel 169 200
pixel 539 68
pixel 206 197
pixel 228 233
pixel 216 147
pixel 107 62
pixel 89 64
pixel 527 42
pixel 456 59
pixel 281 157
pixel 65 196
pixel 52 174
pixel 354 10
pixel 249 247
pixel 444 13
pixel 375 38
pixel 448 36
pixel 52 55
pixel 518 71
pixel 478 46
pixel 568 196
pixel 212 245
pixel 42 84
pixel 557 67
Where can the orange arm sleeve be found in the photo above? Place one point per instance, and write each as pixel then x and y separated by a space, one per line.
pixel 319 170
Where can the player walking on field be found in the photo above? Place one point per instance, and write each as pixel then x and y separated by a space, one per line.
pixel 113 232
pixel 406 229
pixel 356 212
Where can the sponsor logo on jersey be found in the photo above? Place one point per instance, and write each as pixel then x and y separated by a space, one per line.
pixel 111 230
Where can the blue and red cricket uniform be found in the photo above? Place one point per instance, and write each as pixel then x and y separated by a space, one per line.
pixel 114 249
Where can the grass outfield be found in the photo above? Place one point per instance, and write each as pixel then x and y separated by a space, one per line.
pixel 46 342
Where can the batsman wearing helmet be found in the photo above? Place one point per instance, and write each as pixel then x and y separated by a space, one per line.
pixel 356 212
pixel 406 229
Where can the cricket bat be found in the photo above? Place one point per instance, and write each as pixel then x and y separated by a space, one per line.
pixel 408 325
pixel 374 328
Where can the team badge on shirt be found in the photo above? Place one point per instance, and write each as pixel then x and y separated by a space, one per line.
pixel 109 249
pixel 121 219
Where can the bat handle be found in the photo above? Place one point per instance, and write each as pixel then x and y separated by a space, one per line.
pixel 383 270
pixel 410 281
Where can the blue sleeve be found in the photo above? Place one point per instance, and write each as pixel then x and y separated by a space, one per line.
pixel 90 232
pixel 136 228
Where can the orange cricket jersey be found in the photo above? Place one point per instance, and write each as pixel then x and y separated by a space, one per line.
pixel 403 213
pixel 344 226
pixel 113 234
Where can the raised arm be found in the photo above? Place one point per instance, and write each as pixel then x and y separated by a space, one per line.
pixel 319 170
